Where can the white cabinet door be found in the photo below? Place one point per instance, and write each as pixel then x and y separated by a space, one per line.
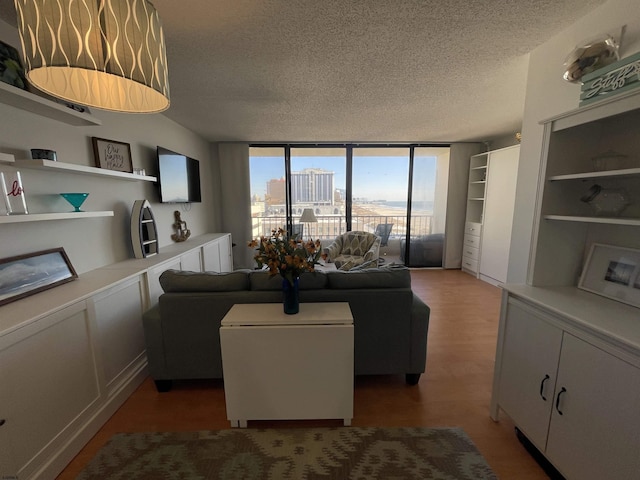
pixel 211 257
pixel 226 255
pixel 597 435
pixel 217 256
pixel 119 334
pixel 191 261
pixel 498 213
pixel 530 356
pixel 48 385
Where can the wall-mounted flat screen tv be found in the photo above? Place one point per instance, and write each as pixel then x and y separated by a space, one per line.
pixel 178 177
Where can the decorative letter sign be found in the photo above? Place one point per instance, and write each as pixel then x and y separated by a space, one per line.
pixel 13 193
pixel 616 78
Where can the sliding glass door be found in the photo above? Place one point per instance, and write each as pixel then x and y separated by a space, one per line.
pixel 318 186
pixel 429 188
pixel 320 192
pixel 380 179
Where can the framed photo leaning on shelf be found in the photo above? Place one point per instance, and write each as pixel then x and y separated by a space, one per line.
pixel 31 273
pixel 112 155
pixel 613 272
pixel 11 69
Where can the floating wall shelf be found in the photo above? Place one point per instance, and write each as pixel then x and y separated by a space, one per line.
pixel 605 220
pixel 52 166
pixel 628 172
pixel 39 217
pixel 7 158
pixel 16 97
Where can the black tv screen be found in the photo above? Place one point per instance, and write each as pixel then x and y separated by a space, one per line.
pixel 178 177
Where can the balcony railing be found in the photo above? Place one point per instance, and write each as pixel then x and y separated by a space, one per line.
pixel 329 227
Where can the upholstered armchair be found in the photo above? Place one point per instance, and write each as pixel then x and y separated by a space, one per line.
pixel 354 250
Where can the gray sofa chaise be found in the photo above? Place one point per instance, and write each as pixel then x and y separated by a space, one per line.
pixel 182 330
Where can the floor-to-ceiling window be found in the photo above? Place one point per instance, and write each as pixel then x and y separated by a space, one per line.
pixel 380 182
pixel 429 185
pixel 398 192
pixel 318 183
pixel 268 190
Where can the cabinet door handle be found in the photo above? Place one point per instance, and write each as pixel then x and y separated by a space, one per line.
pixel 546 377
pixel 2 421
pixel 558 400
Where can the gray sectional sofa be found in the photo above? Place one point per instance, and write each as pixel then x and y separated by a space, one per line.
pixel 182 331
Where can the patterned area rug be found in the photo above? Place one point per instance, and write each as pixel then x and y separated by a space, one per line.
pixel 294 453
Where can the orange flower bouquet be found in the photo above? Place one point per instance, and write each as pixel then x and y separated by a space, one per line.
pixel 286 255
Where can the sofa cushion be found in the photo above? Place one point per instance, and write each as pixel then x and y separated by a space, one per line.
pixel 261 281
pixel 183 281
pixel 370 278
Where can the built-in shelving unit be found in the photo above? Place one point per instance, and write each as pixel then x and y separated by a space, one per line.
pixel 567 225
pixel 54 166
pixel 566 356
pixel 40 217
pixel 476 187
pixel 16 97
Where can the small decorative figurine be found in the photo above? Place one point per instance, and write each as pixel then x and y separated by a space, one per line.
pixel 182 232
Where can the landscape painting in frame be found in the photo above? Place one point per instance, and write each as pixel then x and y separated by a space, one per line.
pixel 613 272
pixel 25 275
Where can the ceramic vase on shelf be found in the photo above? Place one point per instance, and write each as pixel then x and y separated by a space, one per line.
pixel 290 297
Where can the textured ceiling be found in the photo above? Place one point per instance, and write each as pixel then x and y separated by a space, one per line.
pixel 353 71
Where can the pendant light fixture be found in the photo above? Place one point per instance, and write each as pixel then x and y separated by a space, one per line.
pixel 107 54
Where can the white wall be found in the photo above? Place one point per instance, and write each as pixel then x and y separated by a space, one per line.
pixel 91 243
pixel 549 95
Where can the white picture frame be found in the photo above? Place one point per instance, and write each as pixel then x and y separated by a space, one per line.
pixel 613 272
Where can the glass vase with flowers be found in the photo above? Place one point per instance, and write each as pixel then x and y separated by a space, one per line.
pixel 288 256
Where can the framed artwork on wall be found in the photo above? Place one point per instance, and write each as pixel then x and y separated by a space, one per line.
pixel 112 155
pixel 613 272
pixel 24 275
pixel 11 69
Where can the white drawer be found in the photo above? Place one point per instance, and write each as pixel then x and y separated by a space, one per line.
pixel 472 241
pixel 471 253
pixel 473 228
pixel 470 264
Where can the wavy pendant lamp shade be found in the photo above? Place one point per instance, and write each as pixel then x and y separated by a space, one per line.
pixel 108 54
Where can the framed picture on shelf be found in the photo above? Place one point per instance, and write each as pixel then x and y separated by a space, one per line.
pixel 112 155
pixel 613 272
pixel 11 69
pixel 31 273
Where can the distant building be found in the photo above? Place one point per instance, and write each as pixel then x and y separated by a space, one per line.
pixel 275 192
pixel 312 186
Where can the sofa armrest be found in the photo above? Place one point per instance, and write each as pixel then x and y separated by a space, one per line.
pixel 420 312
pixel 154 342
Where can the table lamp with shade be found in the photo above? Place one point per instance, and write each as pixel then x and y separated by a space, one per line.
pixel 308 216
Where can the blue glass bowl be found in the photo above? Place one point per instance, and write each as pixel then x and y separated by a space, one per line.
pixel 75 199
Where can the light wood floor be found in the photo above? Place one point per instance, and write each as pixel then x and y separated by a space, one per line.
pixel 454 391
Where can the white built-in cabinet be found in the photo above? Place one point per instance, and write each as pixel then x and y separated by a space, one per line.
pixel 489 219
pixel 573 395
pixel 71 355
pixel 568 361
